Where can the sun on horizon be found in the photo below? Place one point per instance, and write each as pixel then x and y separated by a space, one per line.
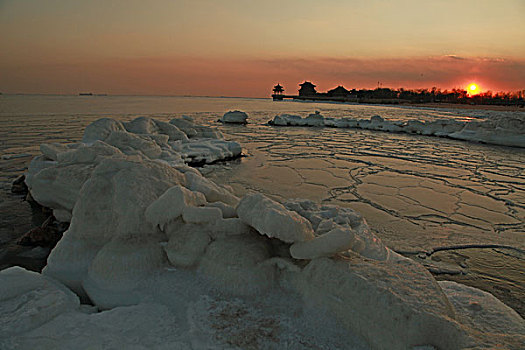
pixel 473 89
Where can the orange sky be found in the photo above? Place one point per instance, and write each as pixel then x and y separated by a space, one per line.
pixel 242 48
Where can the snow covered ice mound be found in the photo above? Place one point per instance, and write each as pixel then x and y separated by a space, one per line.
pixel 155 237
pixel 234 117
pixel 487 317
pixel 29 300
pixel 501 129
pixel 393 306
pixel 38 312
pixel 337 230
pixel 56 177
pixel 111 205
pixel 201 322
pixel 273 219
pixel 165 141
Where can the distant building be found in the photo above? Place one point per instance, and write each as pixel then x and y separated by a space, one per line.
pixel 339 91
pixel 278 89
pixel 307 89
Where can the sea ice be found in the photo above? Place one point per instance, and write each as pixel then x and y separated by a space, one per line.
pixel 499 129
pixel 37 312
pixel 92 153
pixel 51 150
pixel 286 119
pixel 150 126
pixel 234 264
pixel 229 227
pixel 489 319
pixel 338 240
pixel 132 144
pixel 119 267
pixel 101 129
pixel 227 210
pixel 29 300
pixel 314 119
pixel 234 117
pixel 58 186
pixel 110 205
pixel 196 131
pixel 337 230
pixel 201 215
pixel 185 126
pixel 273 219
pixel 212 191
pixel 187 244
pixel 171 204
pixel 393 306
pixel 178 315
pixel 209 151
pixel 137 221
pixel 56 178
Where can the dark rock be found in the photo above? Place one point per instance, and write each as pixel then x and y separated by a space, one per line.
pixel 46 235
pixel 30 198
pixel 47 211
pixel 19 185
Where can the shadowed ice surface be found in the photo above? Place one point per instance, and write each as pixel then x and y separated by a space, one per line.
pixel 416 192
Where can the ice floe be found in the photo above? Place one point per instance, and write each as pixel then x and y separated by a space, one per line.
pixel 337 230
pixel 152 240
pixel 175 200
pixel 498 129
pixel 496 324
pixel 29 300
pixel 273 219
pixel 234 117
pixel 393 306
pixel 56 177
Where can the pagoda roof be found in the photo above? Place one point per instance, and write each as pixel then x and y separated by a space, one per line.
pixel 339 89
pixel 307 83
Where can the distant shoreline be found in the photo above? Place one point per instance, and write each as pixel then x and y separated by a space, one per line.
pixel 500 108
pixel 497 108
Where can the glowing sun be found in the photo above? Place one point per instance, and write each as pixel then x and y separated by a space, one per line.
pixel 473 89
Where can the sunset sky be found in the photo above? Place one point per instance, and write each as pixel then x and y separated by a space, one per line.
pixel 243 48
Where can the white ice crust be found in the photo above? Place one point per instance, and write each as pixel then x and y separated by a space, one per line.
pixel 171 205
pixel 234 117
pixel 56 178
pixel 337 230
pixel 164 248
pixel 498 129
pixel 29 300
pixel 482 310
pixel 212 191
pixel 272 219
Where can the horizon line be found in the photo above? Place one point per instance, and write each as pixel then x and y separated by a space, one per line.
pixel 104 94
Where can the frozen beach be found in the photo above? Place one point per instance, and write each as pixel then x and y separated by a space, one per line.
pixel 417 193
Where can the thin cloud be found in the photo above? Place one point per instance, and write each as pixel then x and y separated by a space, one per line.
pixel 455 57
pixel 254 77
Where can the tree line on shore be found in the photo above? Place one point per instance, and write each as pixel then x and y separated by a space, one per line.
pixel 442 96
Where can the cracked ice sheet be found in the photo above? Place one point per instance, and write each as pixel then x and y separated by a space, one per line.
pixel 416 192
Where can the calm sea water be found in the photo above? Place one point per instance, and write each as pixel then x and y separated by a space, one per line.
pixel 16 105
pixel 416 192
